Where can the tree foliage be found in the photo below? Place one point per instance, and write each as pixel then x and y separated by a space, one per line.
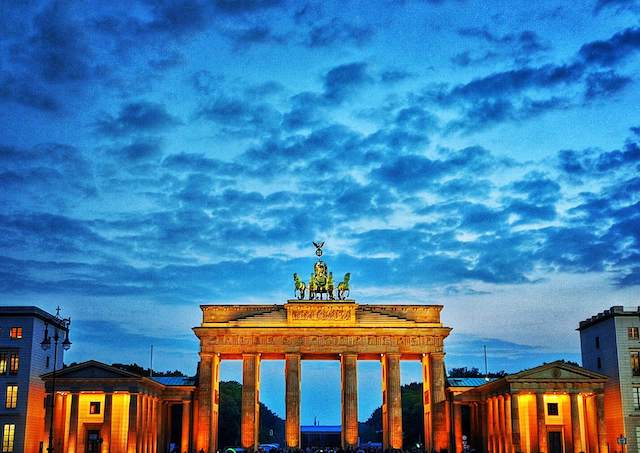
pixel 412 418
pixel 271 426
pixel 465 372
pixel 137 369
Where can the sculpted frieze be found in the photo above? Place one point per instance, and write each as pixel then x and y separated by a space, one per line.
pixel 322 341
pixel 331 313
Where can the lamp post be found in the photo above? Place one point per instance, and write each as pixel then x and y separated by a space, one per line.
pixel 46 344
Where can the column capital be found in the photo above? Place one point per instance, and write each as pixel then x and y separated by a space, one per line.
pixel 250 355
pixel 351 354
pixel 392 355
pixel 437 355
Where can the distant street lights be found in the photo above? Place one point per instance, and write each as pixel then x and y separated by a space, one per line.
pixel 46 345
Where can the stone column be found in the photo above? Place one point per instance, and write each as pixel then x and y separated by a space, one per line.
pixel 385 401
pixel 208 403
pixel 73 423
pixel 144 416
pixel 491 425
pixel 542 423
pixel 58 421
pixel 194 423
pixel 602 427
pixel 159 428
pixel 457 426
pixel 501 423
pixel 140 430
pixel 215 403
pixel 250 401
pixel 575 422
pixel 150 424
pixel 506 423
pixel 426 402
pixel 394 401
pixel 147 424
pixel 440 426
pixel 132 435
pixel 292 400
pixel 349 368
pixel 186 422
pixel 156 438
pixel 514 412
pixel 166 425
pixel 204 403
pixel 105 431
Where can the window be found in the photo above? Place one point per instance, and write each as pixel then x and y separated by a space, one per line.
pixel 552 409
pixel 3 363
pixel 635 363
pixel 14 363
pixel 12 397
pixel 15 333
pixel 94 407
pixel 633 333
pixel 8 435
pixel 46 362
pixel 599 362
pixel 597 342
pixel 636 398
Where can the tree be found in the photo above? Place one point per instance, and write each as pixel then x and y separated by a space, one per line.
pixel 412 418
pixel 137 369
pixel 230 416
pixel 465 372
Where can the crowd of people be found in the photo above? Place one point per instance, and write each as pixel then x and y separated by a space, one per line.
pixel 362 449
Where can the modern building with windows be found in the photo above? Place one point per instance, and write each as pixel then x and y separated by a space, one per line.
pixel 22 362
pixel 610 344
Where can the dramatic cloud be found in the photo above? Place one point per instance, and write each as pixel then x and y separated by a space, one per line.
pixel 341 81
pixel 136 117
pixel 608 52
pixel 617 5
pixel 159 155
pixel 27 93
pixel 338 32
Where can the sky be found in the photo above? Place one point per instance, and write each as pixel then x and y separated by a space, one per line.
pixel 482 155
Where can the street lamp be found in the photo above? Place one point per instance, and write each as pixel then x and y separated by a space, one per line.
pixel 46 344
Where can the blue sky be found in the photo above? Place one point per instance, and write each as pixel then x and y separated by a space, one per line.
pixel 155 156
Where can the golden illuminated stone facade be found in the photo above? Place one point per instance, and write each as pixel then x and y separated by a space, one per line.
pixel 553 408
pixel 306 330
pixel 128 413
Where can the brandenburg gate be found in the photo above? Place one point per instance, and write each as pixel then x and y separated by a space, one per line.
pixel 321 323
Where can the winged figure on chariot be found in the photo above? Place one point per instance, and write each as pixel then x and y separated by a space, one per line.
pixel 321 282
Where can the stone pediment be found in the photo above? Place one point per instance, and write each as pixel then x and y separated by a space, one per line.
pixel 556 371
pixel 92 370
